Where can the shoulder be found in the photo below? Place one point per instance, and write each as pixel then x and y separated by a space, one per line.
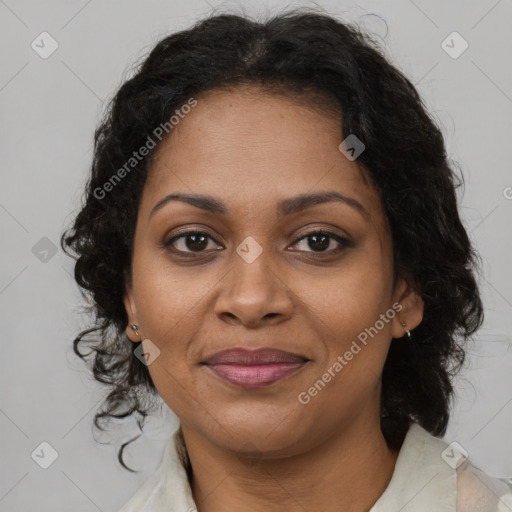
pixel 479 492
pixel 168 488
pixel 474 490
pixel 432 475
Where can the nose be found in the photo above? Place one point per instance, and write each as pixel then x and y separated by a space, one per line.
pixel 254 294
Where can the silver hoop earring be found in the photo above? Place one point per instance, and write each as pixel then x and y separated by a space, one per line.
pixel 407 330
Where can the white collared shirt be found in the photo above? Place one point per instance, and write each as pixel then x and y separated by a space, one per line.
pixel 424 480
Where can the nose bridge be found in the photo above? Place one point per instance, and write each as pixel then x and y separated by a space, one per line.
pixel 251 269
pixel 251 290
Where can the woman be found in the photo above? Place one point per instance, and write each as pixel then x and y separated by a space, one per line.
pixel 271 241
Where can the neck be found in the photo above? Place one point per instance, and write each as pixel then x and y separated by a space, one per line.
pixel 348 471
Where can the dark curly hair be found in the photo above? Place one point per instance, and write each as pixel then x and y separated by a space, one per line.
pixel 306 53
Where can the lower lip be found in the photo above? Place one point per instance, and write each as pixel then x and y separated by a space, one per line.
pixel 255 376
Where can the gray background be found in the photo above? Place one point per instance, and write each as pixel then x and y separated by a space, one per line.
pixel 49 109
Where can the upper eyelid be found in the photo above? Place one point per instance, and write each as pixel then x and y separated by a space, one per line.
pixel 191 232
pixel 322 232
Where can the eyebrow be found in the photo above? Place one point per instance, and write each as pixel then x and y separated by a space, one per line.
pixel 285 207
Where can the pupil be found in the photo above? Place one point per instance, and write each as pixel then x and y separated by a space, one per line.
pixel 321 242
pixel 198 242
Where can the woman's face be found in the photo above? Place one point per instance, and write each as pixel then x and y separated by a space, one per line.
pixel 259 275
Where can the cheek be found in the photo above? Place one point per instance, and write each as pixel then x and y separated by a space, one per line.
pixel 168 298
pixel 349 298
pixel 346 310
pixel 167 306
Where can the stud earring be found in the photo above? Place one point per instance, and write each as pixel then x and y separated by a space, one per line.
pixel 135 327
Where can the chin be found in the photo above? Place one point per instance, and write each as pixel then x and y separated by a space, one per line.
pixel 266 432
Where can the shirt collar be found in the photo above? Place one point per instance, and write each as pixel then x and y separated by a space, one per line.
pixel 421 482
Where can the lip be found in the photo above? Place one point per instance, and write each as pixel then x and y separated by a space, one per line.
pixel 254 368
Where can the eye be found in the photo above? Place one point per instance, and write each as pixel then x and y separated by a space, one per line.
pixel 323 241
pixel 190 242
pixel 198 242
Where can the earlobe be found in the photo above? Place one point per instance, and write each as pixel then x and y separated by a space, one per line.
pixel 411 312
pixel 131 313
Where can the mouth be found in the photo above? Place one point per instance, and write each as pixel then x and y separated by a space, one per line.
pixel 254 368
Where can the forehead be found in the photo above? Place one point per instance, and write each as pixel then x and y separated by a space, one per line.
pixel 252 148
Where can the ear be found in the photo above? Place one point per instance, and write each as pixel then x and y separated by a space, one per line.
pixel 131 312
pixel 411 311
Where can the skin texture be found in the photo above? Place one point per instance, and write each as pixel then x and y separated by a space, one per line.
pixel 260 449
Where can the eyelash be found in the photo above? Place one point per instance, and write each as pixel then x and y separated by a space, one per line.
pixel 344 242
